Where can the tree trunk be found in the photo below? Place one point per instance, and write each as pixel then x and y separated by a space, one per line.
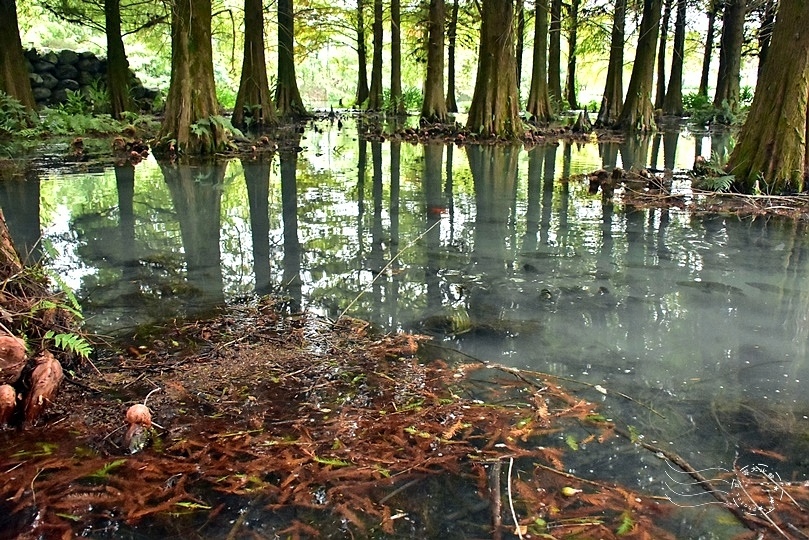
pixel 772 143
pixel 613 99
pixel 117 64
pixel 397 106
pixel 570 83
pixel 362 57
pixel 192 94
pixel 375 97
pixel 288 102
pixel 13 73
pixel 660 94
pixel 452 34
pixel 253 100
pixel 495 107
pixel 555 53
pixel 765 32
pixel 539 102
pixel 706 57
pixel 730 56
pixel 638 113
pixel 520 10
pixel 673 102
pixel 434 106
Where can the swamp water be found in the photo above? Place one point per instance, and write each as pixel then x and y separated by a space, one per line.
pixel 690 329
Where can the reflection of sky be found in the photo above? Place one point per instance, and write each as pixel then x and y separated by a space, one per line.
pixel 675 310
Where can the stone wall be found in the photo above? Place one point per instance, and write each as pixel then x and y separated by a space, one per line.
pixel 52 74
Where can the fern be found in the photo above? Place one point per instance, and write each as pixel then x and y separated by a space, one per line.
pixel 67 291
pixel 71 343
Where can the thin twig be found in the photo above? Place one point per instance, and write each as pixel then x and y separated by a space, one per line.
pixel 494 479
pixel 384 268
pixel 511 500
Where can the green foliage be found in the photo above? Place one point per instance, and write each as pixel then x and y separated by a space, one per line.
pixel 71 343
pixel 14 117
pixel 411 97
pixel 226 96
pixel 627 524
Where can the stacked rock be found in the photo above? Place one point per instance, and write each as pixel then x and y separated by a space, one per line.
pixel 52 74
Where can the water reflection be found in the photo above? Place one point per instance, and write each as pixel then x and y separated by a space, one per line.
pixel 19 197
pixel 682 312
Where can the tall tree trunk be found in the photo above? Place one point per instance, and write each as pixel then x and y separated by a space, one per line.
pixel 362 57
pixel 253 98
pixel 288 102
pixel 570 83
pixel 397 106
pixel 13 73
pixel 673 102
pixel 613 99
pixel 539 102
pixel 706 56
pixel 375 97
pixel 660 94
pixel 452 34
pixel 765 32
pixel 772 144
pixel 730 56
pixel 192 93
pixel 555 53
pixel 638 113
pixel 434 106
pixel 520 10
pixel 257 180
pixel 495 107
pixel 117 64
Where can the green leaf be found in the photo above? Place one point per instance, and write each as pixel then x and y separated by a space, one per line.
pixel 627 524
pixel 570 440
pixel 334 462
pixel 104 471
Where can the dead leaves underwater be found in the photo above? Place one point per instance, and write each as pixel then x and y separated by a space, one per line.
pixel 291 427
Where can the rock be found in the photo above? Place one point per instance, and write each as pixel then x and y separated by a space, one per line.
pixel 85 78
pixel 59 96
pixel 36 79
pixel 63 72
pixel 68 57
pixel 89 65
pixel 49 81
pixel 51 57
pixel 45 381
pixel 68 84
pixel 44 67
pixel 8 402
pixel 41 93
pixel 13 357
pixel 31 55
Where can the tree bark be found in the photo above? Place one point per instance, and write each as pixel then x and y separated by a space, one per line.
pixel 192 94
pixel 771 150
pixel 117 64
pixel 434 106
pixel 570 82
pixel 288 102
pixel 520 10
pixel 13 73
pixel 613 99
pixel 375 97
pixel 253 99
pixel 362 57
pixel 452 34
pixel 638 113
pixel 765 32
pixel 539 102
pixel 673 102
pixel 397 106
pixel 706 57
pixel 555 53
pixel 660 94
pixel 495 107
pixel 730 56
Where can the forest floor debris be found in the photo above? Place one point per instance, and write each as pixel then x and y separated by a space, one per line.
pixel 269 423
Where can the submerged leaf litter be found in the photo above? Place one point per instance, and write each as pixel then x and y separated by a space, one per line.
pixel 275 424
